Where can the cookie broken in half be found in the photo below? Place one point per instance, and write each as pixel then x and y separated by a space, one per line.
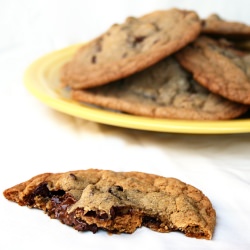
pixel 118 202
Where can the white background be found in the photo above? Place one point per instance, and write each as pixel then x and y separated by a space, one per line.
pixel 36 139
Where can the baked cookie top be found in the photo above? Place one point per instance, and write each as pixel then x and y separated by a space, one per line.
pixel 215 26
pixel 219 68
pixel 118 201
pixel 130 47
pixel 164 90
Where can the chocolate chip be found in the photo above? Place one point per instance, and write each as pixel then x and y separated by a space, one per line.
pixel 73 176
pixel 43 191
pixel 58 210
pixel 112 212
pixel 138 39
pixel 100 215
pixel 148 220
pixel 82 225
pixel 120 211
pixel 93 59
pixel 115 188
pixel 103 216
pixel 119 188
pixel 91 214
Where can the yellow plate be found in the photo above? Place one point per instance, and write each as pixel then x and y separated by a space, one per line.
pixel 42 80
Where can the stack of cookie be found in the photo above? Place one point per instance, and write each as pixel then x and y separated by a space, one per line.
pixel 166 64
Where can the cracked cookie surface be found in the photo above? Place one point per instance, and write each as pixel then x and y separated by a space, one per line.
pixel 164 90
pixel 219 68
pixel 118 202
pixel 130 47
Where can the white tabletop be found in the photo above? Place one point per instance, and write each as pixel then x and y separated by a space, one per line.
pixel 35 139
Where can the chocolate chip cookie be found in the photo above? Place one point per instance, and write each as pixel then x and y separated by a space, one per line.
pixel 119 202
pixel 164 90
pixel 215 26
pixel 130 47
pixel 220 68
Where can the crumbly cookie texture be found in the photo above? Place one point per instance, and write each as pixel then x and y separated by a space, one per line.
pixel 164 90
pixel 215 26
pixel 130 47
pixel 119 202
pixel 219 68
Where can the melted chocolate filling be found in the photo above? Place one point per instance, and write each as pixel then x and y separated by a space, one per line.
pixel 58 202
pixel 59 211
pixel 149 221
pixel 42 191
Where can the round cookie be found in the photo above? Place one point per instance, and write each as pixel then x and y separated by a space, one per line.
pixel 130 47
pixel 118 202
pixel 215 26
pixel 220 68
pixel 164 90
